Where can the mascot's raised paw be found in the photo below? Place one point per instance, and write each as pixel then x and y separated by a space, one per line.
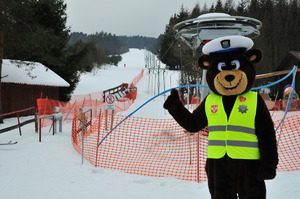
pixel 172 101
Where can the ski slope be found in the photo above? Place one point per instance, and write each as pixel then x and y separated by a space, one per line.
pixel 52 169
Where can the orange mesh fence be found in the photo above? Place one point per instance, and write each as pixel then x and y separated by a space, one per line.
pixel 161 148
pixel 288 136
pixel 92 101
pixel 143 146
pixel 137 79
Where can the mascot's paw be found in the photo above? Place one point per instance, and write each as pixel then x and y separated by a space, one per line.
pixel 172 101
pixel 266 171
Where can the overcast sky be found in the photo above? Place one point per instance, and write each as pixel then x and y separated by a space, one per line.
pixel 125 17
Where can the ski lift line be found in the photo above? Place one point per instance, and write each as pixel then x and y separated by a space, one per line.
pixel 168 49
pixel 184 86
pixel 290 100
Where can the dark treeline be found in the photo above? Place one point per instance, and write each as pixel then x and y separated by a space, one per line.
pixel 279 33
pixel 112 44
pixel 107 42
pixel 139 42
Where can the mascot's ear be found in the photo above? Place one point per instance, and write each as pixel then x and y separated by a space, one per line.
pixel 254 55
pixel 203 61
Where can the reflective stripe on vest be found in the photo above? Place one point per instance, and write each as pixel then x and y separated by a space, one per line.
pixel 234 136
pixel 232 143
pixel 232 128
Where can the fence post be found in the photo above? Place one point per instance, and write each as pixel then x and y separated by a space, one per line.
pixel 83 129
pixel 40 130
pixel 19 125
pixel 98 138
pixel 112 119
pixel 106 116
pixel 36 122
pixel 54 125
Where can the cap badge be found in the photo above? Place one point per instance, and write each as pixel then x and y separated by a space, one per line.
pixel 225 43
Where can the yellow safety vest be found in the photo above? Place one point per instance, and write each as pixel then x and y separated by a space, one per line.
pixel 234 136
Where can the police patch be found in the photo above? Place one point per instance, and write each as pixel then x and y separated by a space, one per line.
pixel 214 108
pixel 243 109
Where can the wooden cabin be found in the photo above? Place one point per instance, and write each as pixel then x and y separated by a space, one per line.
pixel 23 82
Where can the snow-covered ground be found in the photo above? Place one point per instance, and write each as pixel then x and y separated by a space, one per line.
pixel 52 168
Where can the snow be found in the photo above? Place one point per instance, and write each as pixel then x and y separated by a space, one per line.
pixel 52 168
pixel 32 73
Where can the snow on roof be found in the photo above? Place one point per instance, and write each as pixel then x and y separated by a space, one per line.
pixel 32 73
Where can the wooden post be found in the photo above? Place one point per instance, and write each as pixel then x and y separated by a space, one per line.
pixel 36 122
pixel 98 138
pixel 40 130
pixel 19 125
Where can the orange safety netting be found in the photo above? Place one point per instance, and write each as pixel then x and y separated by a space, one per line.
pixel 161 148
pixel 143 146
pixel 92 101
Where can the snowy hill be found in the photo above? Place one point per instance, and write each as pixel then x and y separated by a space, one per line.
pixel 52 168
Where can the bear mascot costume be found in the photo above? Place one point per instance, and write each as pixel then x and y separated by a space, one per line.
pixel 242 148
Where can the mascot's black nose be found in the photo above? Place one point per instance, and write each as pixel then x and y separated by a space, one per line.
pixel 229 78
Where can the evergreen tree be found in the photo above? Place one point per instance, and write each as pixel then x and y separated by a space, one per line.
pixel 219 6
pixel 196 11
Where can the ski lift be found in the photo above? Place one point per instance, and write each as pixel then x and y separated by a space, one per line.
pixel 198 31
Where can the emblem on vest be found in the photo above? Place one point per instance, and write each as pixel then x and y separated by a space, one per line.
pixel 242 99
pixel 214 108
pixel 243 109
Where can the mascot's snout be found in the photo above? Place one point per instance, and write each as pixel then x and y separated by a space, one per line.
pixel 231 82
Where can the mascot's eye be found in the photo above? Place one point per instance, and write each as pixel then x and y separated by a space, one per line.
pixel 235 64
pixel 221 66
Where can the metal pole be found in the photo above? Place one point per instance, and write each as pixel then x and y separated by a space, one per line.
pixel 83 128
pixel 188 98
pixel 112 119
pixel 54 125
pixel 1 58
pixel 106 116
pixel 82 147
pixel 158 78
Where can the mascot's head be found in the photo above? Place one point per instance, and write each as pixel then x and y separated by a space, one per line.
pixel 229 62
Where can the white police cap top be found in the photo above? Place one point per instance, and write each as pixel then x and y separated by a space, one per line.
pixel 227 43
